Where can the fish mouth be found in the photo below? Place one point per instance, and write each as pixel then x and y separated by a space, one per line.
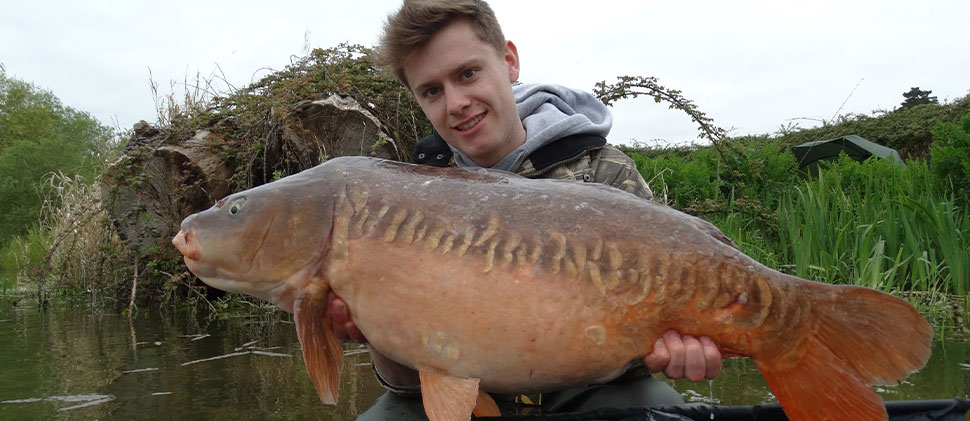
pixel 186 245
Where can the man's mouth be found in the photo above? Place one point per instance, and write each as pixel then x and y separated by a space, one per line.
pixel 471 123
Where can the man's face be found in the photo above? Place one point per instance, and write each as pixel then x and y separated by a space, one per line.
pixel 464 87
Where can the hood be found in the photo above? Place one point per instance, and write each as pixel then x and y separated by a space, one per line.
pixel 549 113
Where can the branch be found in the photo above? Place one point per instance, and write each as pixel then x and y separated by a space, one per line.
pixel 635 86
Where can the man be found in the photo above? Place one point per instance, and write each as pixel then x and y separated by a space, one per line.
pixel 453 57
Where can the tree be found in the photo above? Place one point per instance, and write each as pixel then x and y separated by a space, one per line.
pixel 917 96
pixel 39 136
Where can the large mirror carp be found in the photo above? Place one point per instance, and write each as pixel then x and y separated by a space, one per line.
pixel 485 281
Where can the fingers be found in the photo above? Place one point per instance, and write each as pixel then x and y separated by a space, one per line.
pixel 712 358
pixel 341 323
pixel 685 357
pixel 678 355
pixel 695 364
pixel 658 359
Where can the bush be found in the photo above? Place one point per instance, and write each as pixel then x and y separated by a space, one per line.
pixel 950 158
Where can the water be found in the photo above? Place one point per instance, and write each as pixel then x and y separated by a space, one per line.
pixel 75 362
pixel 84 364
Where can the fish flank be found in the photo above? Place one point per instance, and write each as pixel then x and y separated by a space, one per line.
pixel 536 253
pixel 570 269
pixel 615 257
pixel 433 240
pixel 555 262
pixel 422 230
pixel 660 292
pixel 358 197
pixel 340 230
pixel 358 229
pixel 579 253
pixel 490 255
pixel 597 334
pixel 466 241
pixel 448 244
pixel 511 243
pixel 632 276
pixel 392 229
pixel 685 281
pixel 521 254
pixel 372 223
pixel 707 286
pixel 490 230
pixel 597 250
pixel 408 230
pixel 596 277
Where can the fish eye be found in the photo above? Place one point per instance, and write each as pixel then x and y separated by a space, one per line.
pixel 236 207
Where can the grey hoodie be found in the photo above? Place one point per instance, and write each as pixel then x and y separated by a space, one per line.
pixel 550 112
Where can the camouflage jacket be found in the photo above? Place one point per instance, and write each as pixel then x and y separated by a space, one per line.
pixel 579 157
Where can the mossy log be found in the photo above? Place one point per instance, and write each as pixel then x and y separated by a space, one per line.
pixel 151 189
pixel 159 181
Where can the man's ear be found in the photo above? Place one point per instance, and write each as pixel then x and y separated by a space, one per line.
pixel 512 60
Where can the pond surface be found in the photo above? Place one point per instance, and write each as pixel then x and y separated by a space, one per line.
pixel 81 363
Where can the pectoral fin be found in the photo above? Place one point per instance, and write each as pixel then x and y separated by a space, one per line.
pixel 321 349
pixel 451 398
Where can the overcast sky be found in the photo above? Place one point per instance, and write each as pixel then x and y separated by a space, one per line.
pixel 750 65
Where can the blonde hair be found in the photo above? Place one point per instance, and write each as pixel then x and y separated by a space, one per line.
pixel 412 27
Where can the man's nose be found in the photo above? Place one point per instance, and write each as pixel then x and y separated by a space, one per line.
pixel 458 101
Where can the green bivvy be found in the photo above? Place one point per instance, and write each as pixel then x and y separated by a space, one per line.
pixel 812 154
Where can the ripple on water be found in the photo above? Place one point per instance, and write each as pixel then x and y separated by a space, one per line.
pixel 86 400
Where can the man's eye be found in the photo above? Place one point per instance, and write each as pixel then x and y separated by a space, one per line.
pixel 431 92
pixel 468 74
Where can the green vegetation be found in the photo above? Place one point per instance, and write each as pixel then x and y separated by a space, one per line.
pixel 904 230
pixel 40 140
pixel 951 159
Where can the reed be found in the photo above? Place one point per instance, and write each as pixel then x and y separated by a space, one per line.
pixel 876 225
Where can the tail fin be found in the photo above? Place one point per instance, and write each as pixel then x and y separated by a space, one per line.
pixel 860 337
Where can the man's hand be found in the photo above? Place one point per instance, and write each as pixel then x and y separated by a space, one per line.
pixel 343 327
pixel 685 357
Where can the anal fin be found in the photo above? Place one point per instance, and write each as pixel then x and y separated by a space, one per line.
pixel 448 398
pixel 322 352
pixel 485 406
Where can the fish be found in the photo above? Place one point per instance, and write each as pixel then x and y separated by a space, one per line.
pixel 488 282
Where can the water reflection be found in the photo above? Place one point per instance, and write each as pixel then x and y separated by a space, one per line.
pixel 96 364
pixel 82 363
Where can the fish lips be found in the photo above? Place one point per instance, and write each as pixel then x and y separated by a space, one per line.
pixel 186 244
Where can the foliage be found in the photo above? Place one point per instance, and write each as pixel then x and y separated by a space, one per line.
pixel 950 158
pixel 635 86
pixel 916 96
pixel 39 136
pixel 749 181
pixel 23 251
pixel 249 117
pixel 877 225
pixel 908 130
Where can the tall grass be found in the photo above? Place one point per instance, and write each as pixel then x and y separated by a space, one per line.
pixel 18 253
pixel 876 225
pixel 74 248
